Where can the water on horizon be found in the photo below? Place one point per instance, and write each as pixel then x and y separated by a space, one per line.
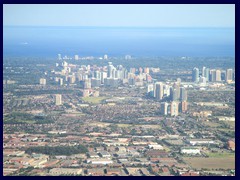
pixel 93 41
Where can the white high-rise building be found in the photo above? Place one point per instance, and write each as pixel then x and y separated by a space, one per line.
pixel 58 99
pixel 218 75
pixel 110 68
pixel 103 75
pixel 174 108
pixel 195 74
pixel 76 57
pixel 60 81
pixel 164 108
pixel 105 57
pixel 159 90
pixel 43 81
pixel 59 57
pixel 229 75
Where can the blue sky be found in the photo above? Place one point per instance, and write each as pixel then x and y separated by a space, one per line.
pixel 161 15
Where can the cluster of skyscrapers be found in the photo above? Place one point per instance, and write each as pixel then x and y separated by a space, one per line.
pixel 76 57
pixel 211 75
pixel 89 78
pixel 173 97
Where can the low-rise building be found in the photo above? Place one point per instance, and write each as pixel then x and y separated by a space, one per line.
pixel 190 150
pixel 65 171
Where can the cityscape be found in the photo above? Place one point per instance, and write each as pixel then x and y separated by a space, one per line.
pixel 101 114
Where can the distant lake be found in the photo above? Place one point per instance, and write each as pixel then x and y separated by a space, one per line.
pixel 97 41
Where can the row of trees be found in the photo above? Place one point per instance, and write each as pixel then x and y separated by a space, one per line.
pixel 57 150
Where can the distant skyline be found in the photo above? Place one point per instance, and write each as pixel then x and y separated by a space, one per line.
pixel 121 15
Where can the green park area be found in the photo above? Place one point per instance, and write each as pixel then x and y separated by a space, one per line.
pixel 93 100
pixel 25 118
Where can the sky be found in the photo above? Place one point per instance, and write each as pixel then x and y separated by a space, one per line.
pixel 124 15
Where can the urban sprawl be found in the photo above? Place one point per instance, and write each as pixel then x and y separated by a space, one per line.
pixel 72 118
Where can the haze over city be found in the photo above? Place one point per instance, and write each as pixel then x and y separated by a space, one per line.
pixel 119 90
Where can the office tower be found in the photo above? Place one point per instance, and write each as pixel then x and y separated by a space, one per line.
pixel 206 74
pixel 59 57
pixel 140 70
pixel 43 81
pixel 159 90
pixel 166 90
pixel 58 99
pixel 195 74
pixel 218 75
pixel 203 71
pixel 97 75
pixel 183 94
pixel 60 81
pixel 183 106
pixel 213 75
pixel 76 57
pixel 110 68
pixel 150 90
pixel 103 75
pixel 229 75
pixel 174 108
pixel 164 108
pixel 105 57
pixel 176 86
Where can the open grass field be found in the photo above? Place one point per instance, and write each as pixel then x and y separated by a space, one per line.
pixel 93 100
pixel 211 124
pixel 102 124
pixel 211 162
pixel 221 155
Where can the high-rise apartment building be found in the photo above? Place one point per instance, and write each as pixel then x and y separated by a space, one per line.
pixel 159 90
pixel 195 74
pixel 76 57
pixel 183 106
pixel 59 57
pixel 43 81
pixel 218 76
pixel 183 94
pixel 174 108
pixel 58 99
pixel 164 108
pixel 105 57
pixel 229 75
